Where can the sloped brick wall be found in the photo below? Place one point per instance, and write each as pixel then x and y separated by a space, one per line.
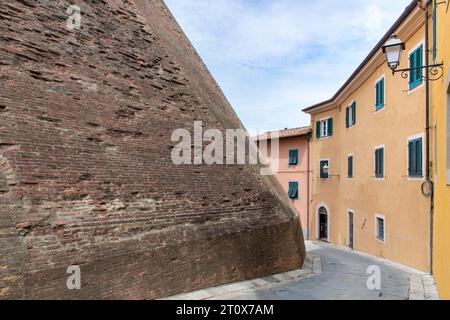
pixel 86 118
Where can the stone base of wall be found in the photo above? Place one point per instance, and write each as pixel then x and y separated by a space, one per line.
pixel 140 269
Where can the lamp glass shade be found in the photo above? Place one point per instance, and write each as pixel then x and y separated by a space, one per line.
pixel 393 50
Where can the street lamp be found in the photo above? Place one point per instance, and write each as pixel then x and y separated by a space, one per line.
pixel 393 50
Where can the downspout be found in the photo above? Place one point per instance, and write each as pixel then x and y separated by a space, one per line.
pixel 308 139
pixel 427 108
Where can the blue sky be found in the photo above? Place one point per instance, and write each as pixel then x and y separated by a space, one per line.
pixel 274 57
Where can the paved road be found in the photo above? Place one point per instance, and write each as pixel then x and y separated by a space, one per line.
pixel 344 276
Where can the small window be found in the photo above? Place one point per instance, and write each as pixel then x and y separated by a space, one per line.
pixel 350 115
pixel 415 64
pixel 323 174
pixel 415 158
pixel 293 157
pixel 379 91
pixel 379 163
pixel 324 128
pixel 293 190
pixel 379 228
pixel 350 166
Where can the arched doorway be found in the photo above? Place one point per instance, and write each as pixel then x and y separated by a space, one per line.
pixel 323 223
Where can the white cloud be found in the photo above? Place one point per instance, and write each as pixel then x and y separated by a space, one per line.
pixel 272 58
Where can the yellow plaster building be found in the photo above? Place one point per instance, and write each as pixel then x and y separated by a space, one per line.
pixel 368 156
pixel 440 92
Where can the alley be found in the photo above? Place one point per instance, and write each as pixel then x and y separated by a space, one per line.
pixel 343 275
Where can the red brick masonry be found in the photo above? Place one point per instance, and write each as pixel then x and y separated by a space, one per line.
pixel 86 177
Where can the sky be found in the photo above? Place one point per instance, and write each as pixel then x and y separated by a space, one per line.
pixel 272 58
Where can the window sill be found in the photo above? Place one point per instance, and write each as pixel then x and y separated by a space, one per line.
pixel 380 240
pixel 379 178
pixel 377 110
pixel 415 87
pixel 415 178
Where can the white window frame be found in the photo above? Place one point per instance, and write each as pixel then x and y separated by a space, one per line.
pixel 380 216
pixel 380 146
pixel 410 138
pixel 329 166
pixel 421 42
pixel 322 127
pixel 384 93
pixel 348 226
pixel 298 189
pixel 353 165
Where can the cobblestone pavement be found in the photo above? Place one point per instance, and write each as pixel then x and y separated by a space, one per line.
pixel 329 272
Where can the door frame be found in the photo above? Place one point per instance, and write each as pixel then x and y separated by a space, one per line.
pixel 324 205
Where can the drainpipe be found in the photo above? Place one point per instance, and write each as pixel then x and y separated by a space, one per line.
pixel 427 107
pixel 308 139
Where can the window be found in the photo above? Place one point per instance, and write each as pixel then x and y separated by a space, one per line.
pixel 293 157
pixel 379 227
pixel 323 174
pixel 350 115
pixel 379 92
pixel 293 190
pixel 415 63
pixel 324 128
pixel 415 157
pixel 350 166
pixel 379 162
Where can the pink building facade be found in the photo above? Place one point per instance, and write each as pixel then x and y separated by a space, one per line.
pixel 292 168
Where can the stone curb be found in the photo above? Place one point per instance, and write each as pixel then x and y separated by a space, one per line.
pixel 311 268
pixel 422 287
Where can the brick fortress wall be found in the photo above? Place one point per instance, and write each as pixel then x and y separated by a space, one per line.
pixel 86 176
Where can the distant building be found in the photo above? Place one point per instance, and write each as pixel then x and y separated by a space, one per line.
pixel 292 167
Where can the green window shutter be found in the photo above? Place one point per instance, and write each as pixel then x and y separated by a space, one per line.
pixel 377 95
pixel 293 157
pixel 330 127
pixel 410 158
pixel 382 92
pixel 293 190
pixel 350 167
pixel 322 173
pixel 419 62
pixel 412 64
pixel 318 129
pixel 382 162
pixel 419 157
pixel 379 163
pixel 347 116
pixel 354 113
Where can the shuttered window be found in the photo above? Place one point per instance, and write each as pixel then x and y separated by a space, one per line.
pixel 379 163
pixel 293 157
pixel 379 231
pixel 350 115
pixel 293 190
pixel 415 64
pixel 323 174
pixel 350 166
pixel 324 128
pixel 379 93
pixel 415 157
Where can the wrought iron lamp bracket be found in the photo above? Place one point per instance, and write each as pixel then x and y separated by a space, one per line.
pixel 435 71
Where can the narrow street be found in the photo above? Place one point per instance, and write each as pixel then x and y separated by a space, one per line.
pixel 343 275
